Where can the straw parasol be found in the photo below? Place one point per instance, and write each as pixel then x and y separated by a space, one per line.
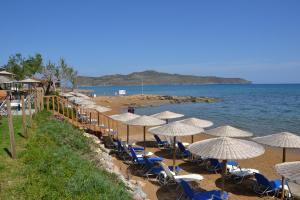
pixel 166 115
pixel 98 108
pixel 228 131
pixel 283 140
pixel 226 148
pixel 84 102
pixel 175 129
pixel 201 123
pixel 145 121
pixel 29 80
pixel 6 73
pixel 290 170
pixel 123 118
pixel 67 95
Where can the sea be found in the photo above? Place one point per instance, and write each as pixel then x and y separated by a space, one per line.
pixel 260 108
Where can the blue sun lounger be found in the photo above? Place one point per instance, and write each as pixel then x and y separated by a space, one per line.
pixel 208 195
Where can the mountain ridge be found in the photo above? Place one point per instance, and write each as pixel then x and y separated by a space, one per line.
pixel 151 77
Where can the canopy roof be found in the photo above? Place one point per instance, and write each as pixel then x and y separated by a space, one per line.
pixel 66 95
pixel 145 121
pixel 175 129
pixel 290 170
pixel 97 107
pixel 166 115
pixel 6 73
pixel 226 148
pixel 29 80
pixel 124 117
pixel 197 122
pixel 283 140
pixel 228 131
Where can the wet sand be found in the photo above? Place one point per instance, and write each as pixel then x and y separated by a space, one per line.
pixel 265 164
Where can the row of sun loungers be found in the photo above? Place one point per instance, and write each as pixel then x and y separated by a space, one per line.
pixel 153 166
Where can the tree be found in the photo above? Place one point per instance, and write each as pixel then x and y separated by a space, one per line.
pixel 23 67
pixel 51 73
pixel 67 75
pixel 50 76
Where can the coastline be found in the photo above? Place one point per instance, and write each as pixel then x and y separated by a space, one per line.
pixel 265 163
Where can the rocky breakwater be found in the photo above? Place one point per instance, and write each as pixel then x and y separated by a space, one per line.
pixel 141 100
pixel 187 99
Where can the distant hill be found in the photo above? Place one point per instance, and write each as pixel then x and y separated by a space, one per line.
pixel 150 77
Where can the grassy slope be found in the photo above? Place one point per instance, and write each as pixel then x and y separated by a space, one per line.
pixel 52 165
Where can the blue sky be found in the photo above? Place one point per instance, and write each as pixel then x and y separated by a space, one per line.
pixel 254 39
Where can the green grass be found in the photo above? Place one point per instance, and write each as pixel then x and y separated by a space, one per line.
pixel 52 164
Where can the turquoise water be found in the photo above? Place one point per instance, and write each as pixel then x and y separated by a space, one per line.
pixel 260 108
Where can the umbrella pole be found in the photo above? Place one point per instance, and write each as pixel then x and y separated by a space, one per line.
pixel 224 163
pixel 127 134
pixel 144 139
pixel 167 121
pixel 282 181
pixel 174 154
pixel 192 139
pixel 117 128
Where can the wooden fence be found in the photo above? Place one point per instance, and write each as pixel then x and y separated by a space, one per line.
pixel 78 116
pixel 69 112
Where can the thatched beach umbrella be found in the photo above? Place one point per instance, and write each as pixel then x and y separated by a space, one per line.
pixel 67 95
pixel 145 121
pixel 166 115
pixel 175 129
pixel 3 72
pixel 283 140
pixel 84 102
pixel 29 80
pixel 98 108
pixel 201 123
pixel 228 131
pixel 289 170
pixel 123 118
pixel 226 148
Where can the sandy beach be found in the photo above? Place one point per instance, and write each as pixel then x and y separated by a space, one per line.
pixel 265 163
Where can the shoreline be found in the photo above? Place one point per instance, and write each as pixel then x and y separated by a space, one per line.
pixel 265 163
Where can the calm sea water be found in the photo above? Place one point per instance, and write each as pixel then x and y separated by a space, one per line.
pixel 260 108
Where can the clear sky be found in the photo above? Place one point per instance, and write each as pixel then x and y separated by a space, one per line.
pixel 254 39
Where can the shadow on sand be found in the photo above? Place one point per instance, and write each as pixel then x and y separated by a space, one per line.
pixel 245 188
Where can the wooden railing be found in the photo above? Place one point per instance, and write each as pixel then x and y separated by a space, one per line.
pixel 77 115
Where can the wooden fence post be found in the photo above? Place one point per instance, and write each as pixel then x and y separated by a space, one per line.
pixel 47 103
pixel 57 98
pixel 63 107
pixel 76 117
pixel 35 103
pixel 42 99
pixel 29 110
pixel 72 113
pixel 53 106
pixel 67 103
pixel 24 117
pixel 11 131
